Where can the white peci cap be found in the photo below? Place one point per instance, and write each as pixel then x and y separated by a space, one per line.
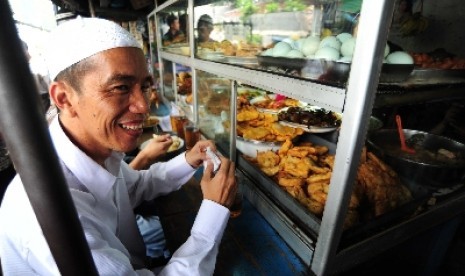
pixel 80 38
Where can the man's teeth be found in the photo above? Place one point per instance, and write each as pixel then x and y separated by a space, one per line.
pixel 133 127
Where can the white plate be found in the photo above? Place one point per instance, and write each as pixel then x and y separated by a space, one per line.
pixel 251 147
pixel 181 143
pixel 311 129
pixel 267 110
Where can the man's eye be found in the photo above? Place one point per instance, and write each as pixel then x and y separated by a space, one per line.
pixel 146 88
pixel 121 89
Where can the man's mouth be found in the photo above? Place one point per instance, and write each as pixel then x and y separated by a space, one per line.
pixel 131 126
pixel 133 129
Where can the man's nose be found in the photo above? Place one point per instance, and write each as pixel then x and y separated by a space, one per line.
pixel 139 102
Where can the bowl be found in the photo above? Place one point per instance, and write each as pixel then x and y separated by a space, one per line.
pixel 427 166
pixel 251 147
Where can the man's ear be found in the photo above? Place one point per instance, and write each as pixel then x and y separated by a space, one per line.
pixel 62 95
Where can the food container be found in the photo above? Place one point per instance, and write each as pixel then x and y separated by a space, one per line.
pixel 335 72
pixel 250 147
pixel 426 166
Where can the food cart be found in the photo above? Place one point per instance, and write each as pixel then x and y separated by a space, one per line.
pixel 352 89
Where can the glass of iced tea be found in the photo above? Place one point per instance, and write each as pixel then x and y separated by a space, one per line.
pixel 236 208
pixel 191 134
pixel 177 124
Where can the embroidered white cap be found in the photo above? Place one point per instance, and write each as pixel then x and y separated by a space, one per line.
pixel 80 38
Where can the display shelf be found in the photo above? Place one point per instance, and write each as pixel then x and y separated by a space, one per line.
pixel 317 94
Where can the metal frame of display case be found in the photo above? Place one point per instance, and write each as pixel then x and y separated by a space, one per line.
pixel 355 102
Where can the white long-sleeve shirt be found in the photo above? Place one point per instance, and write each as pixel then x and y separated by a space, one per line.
pixel 24 250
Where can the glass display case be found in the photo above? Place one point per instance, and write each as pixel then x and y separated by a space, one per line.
pixel 310 52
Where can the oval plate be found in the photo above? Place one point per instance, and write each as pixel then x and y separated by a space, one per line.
pixel 181 144
pixel 309 129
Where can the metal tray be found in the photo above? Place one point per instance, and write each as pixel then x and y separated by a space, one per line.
pixel 311 223
pixel 334 71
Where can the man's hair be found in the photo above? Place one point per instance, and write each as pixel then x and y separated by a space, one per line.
pixel 74 74
pixel 171 18
pixel 205 20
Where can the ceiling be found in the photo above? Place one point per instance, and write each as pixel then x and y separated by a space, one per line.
pixel 119 10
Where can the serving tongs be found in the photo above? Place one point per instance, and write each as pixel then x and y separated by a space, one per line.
pixel 403 145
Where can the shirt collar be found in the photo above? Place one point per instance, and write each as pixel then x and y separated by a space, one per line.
pixel 98 180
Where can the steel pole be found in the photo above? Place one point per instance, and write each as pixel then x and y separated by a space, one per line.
pixel 26 135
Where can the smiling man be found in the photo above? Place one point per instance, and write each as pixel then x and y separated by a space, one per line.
pixel 100 85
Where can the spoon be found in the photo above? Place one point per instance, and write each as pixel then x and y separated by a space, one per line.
pixel 403 145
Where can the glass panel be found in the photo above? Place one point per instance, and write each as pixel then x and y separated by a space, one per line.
pixel 174 29
pixel 154 67
pixel 214 97
pixel 168 80
pixel 283 37
pixel 184 98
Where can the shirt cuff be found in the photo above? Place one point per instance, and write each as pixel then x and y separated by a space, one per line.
pixel 211 220
pixel 179 166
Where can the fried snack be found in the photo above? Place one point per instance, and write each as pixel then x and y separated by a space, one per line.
pixel 315 207
pixel 268 162
pixel 301 151
pixel 285 132
pixel 297 192
pixel 247 113
pixel 212 45
pixel 329 160
pixel 320 150
pixel 318 178
pixel 292 181
pixel 297 167
pixel 285 147
pixel 314 167
pixel 266 159
pixel 381 185
pixel 257 133
pixel 352 218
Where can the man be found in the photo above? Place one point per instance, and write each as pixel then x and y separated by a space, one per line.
pixel 100 85
pixel 174 34
pixel 204 29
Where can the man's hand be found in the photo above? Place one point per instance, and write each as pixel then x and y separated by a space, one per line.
pixel 197 154
pixel 220 187
pixel 158 146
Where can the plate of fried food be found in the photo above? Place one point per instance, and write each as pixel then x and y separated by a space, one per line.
pixel 254 125
pixel 310 119
pixel 177 144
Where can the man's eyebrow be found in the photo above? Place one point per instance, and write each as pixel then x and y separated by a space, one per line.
pixel 149 79
pixel 119 77
pixel 124 77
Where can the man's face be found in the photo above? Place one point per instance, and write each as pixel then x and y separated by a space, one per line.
pixel 204 31
pixel 175 25
pixel 111 106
